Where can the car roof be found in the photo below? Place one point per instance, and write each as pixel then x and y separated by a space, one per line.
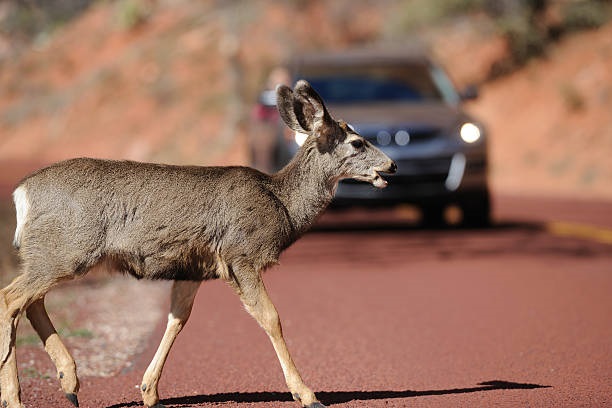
pixel 396 55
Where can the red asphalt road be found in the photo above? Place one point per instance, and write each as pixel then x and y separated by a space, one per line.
pixel 510 316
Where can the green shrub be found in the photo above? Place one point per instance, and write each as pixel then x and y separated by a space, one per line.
pixel 572 98
pixel 27 19
pixel 525 40
pixel 412 14
pixel 585 14
pixel 131 13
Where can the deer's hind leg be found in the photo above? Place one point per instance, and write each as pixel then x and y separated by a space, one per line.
pixel 60 356
pixel 14 299
pixel 10 309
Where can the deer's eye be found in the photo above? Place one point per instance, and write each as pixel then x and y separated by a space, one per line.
pixel 357 143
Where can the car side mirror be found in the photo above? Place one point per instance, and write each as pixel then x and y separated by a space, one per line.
pixel 469 93
pixel 267 98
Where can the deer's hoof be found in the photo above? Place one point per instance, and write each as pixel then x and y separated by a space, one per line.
pixel 5 404
pixel 158 405
pixel 316 405
pixel 72 398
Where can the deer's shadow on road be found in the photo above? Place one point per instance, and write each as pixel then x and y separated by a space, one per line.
pixel 333 397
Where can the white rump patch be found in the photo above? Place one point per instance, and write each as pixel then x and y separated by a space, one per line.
pixel 22 207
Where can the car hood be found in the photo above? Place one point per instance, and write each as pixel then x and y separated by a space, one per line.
pixel 432 115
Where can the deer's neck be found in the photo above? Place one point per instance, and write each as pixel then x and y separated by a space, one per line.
pixel 306 187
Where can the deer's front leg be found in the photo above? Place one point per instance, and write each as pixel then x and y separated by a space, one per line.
pixel 183 294
pixel 253 294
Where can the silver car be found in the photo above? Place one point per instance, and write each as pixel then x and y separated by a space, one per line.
pixel 405 104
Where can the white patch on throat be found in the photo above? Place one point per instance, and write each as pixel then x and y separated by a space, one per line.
pixel 22 207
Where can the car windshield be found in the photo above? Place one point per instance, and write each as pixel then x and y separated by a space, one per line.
pixel 379 83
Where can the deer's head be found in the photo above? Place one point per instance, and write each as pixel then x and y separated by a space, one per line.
pixel 344 151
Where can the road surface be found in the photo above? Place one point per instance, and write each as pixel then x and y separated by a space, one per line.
pixel 390 315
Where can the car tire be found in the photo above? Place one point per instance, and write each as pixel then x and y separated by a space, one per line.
pixel 432 215
pixel 476 210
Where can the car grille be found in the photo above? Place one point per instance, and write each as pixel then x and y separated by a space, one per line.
pixel 415 171
pixel 415 135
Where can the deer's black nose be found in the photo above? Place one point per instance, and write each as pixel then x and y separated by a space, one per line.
pixel 392 168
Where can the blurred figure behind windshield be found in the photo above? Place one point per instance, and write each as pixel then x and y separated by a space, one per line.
pixel 265 122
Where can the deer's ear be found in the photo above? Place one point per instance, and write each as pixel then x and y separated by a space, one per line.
pixel 285 103
pixel 309 108
pixel 302 109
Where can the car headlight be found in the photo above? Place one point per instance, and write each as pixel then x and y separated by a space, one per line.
pixel 470 133
pixel 300 138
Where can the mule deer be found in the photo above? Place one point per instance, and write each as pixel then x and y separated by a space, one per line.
pixel 182 223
